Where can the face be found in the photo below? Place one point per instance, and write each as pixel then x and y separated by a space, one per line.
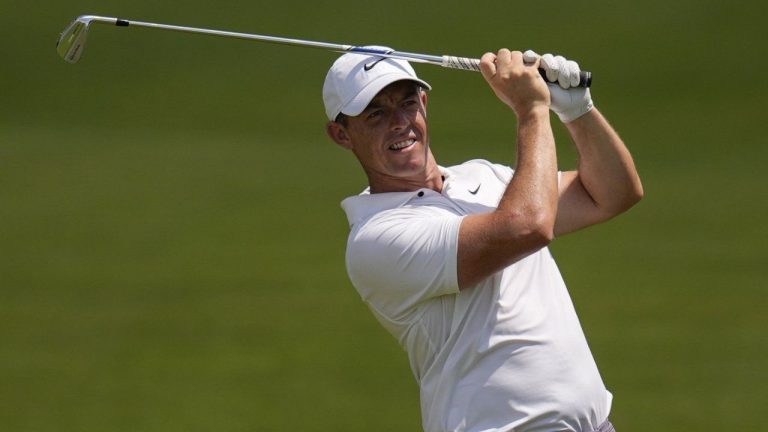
pixel 390 137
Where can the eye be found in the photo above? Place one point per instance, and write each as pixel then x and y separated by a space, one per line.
pixel 410 103
pixel 373 114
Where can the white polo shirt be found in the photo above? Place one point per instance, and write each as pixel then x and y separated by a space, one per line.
pixel 507 354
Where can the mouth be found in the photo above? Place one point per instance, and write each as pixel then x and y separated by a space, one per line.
pixel 402 145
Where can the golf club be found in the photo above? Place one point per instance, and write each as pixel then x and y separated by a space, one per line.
pixel 71 44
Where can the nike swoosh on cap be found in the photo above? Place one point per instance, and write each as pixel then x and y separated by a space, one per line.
pixel 369 66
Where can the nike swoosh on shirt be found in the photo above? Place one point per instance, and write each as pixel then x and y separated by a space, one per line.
pixel 474 192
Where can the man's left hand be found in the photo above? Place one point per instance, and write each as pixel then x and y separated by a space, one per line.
pixel 569 101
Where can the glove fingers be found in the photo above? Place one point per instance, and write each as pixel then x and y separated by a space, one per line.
pixel 563 78
pixel 573 73
pixel 569 101
pixel 530 57
pixel 549 64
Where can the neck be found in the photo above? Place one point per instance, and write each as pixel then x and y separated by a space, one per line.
pixel 430 178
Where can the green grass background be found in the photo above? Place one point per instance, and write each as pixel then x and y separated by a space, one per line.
pixel 171 241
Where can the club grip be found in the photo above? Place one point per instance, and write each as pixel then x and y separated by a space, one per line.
pixel 470 64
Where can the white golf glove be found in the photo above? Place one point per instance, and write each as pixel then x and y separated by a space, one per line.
pixel 569 101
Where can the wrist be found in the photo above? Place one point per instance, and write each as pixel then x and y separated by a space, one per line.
pixel 575 113
pixel 570 104
pixel 533 112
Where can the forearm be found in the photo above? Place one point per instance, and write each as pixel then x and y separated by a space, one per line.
pixel 523 222
pixel 606 169
pixel 532 192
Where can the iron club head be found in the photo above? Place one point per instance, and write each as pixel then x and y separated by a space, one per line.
pixel 72 40
pixel 71 43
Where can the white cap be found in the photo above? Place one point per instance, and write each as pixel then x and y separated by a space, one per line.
pixel 355 79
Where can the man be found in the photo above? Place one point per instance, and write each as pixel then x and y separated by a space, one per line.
pixel 454 261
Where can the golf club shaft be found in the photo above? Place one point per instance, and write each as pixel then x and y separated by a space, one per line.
pixel 452 62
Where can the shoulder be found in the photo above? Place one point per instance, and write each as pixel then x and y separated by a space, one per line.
pixel 400 224
pixel 403 224
pixel 400 257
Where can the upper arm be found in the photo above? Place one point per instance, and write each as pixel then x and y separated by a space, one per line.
pixel 482 251
pixel 576 209
pixel 606 183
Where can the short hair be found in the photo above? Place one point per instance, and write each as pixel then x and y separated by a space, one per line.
pixel 341 119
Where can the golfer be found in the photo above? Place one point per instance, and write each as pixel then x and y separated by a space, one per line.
pixel 453 261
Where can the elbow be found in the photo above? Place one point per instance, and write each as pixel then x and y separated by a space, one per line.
pixel 634 195
pixel 639 191
pixel 539 238
pixel 620 206
pixel 638 195
pixel 543 234
pixel 627 199
pixel 516 233
pixel 537 230
pixel 636 192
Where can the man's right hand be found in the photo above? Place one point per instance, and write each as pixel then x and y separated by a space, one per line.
pixel 515 82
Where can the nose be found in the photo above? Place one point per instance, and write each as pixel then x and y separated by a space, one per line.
pixel 399 119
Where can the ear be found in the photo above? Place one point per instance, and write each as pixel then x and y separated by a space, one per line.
pixel 338 133
pixel 424 100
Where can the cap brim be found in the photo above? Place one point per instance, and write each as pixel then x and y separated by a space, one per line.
pixel 358 104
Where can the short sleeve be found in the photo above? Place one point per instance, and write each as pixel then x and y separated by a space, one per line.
pixel 402 257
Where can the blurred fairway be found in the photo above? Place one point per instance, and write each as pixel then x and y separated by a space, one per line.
pixel 171 241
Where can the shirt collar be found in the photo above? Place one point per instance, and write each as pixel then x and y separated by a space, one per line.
pixel 360 207
pixel 366 204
